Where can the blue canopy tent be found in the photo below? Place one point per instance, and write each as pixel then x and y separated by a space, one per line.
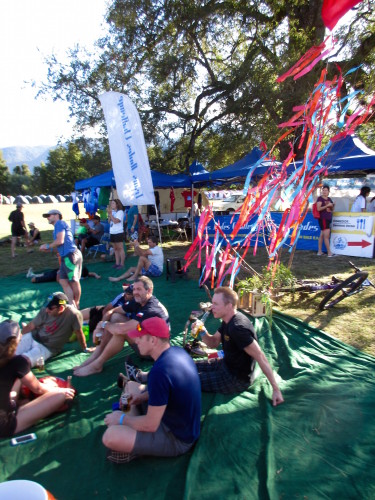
pixel 349 155
pixel 236 170
pixel 159 180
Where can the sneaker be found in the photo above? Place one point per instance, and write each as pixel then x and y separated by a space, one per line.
pixel 119 457
pixel 134 373
pixel 332 255
pixel 319 254
pixel 30 273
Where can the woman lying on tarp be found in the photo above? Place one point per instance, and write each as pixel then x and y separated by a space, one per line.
pixel 14 370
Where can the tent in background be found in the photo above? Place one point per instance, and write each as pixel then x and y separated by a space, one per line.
pixel 159 180
pixel 36 199
pixel 349 155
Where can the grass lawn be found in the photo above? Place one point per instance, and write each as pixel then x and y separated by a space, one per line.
pixel 351 321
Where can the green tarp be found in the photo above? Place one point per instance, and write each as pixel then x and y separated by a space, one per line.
pixel 318 444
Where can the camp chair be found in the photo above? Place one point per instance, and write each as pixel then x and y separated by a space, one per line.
pixel 102 246
pixel 181 230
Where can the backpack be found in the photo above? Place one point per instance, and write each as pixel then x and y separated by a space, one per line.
pixel 315 211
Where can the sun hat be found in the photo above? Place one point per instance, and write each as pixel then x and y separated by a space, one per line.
pixel 157 327
pixel 8 329
pixel 31 224
pixel 52 212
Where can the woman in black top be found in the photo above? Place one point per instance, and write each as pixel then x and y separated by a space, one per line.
pixel 14 370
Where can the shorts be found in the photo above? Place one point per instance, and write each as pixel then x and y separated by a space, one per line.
pixel 71 266
pixel 91 241
pixel 17 233
pixel 32 349
pixel 216 377
pixel 161 443
pixel 96 315
pixel 324 224
pixel 8 423
pixel 153 270
pixel 116 238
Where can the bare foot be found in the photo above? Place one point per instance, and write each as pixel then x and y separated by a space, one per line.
pixel 111 278
pixel 85 363
pixel 133 278
pixel 90 369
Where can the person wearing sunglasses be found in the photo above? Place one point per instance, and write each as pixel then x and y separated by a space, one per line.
pixel 51 328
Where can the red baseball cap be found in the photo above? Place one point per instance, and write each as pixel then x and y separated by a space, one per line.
pixel 156 327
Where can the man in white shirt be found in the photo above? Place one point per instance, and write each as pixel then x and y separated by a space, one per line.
pixel 150 262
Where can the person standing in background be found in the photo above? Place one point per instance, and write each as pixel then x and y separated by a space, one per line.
pixel 325 206
pixel 116 231
pixel 71 257
pixel 131 222
pixel 18 228
pixel 359 204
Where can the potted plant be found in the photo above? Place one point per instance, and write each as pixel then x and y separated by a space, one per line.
pixel 257 292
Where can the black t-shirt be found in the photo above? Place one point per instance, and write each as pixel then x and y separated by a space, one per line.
pixel 235 336
pixel 152 308
pixel 17 219
pixel 16 368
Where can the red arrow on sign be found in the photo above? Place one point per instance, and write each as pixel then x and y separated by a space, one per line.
pixel 362 244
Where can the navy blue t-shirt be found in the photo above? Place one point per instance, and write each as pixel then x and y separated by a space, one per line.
pixel 152 308
pixel 174 381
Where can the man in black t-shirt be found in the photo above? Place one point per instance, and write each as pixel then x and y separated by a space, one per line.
pixel 233 373
pixel 18 227
pixel 143 306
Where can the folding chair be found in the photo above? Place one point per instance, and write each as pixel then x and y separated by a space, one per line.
pixel 102 246
pixel 181 230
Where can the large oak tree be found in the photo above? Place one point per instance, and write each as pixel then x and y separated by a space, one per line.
pixel 202 73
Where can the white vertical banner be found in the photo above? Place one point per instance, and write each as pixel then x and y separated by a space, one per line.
pixel 128 150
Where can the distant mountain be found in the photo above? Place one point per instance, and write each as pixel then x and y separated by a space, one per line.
pixel 31 156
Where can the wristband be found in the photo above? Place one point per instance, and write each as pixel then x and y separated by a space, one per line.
pixel 121 419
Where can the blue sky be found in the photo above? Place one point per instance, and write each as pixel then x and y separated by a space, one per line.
pixel 31 30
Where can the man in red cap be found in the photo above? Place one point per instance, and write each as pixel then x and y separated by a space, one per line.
pixel 164 419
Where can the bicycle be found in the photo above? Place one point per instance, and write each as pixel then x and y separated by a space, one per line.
pixel 345 288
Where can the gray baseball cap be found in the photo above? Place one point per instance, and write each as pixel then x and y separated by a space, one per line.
pixel 52 212
pixel 8 329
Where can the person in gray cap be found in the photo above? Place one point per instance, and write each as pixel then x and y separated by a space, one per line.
pixel 18 227
pixel 71 257
pixel 51 328
pixel 14 371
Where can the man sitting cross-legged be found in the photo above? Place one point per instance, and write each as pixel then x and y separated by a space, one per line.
pixel 143 306
pixel 164 419
pixel 150 262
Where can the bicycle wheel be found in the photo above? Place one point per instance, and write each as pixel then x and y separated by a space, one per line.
pixel 347 288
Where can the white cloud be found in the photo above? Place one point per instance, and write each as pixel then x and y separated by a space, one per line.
pixel 31 30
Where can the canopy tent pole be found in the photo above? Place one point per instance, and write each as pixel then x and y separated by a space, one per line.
pixel 192 213
pixel 157 221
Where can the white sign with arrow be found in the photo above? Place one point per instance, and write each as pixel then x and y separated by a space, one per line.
pixel 353 234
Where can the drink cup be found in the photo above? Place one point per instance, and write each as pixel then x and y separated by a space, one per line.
pixel 98 338
pixel 40 364
pixel 125 402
